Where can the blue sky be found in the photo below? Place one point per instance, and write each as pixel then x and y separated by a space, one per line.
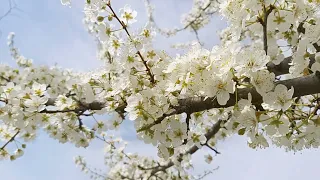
pixel 51 33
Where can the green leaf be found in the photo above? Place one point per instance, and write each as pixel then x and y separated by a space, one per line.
pixel 242 131
pixel 276 123
pixel 288 135
pixel 100 18
pixel 110 18
pixel 171 151
pixel 12 158
pixel 235 125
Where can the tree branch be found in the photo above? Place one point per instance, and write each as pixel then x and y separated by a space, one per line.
pixel 10 140
pixel 95 105
pixel 303 86
pixel 124 26
pixel 206 173
pixel 306 85
pixel 316 46
pixel 213 149
pixel 12 5
pixel 193 23
pixel 210 134
pixel 283 67
pixel 264 24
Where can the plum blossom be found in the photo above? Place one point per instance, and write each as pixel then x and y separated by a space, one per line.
pixel 196 139
pixel 64 102
pixel 221 87
pixel 39 89
pixel 281 20
pixel 134 106
pixel 36 103
pixel 263 81
pixel 128 15
pixel 104 32
pixel 248 119
pixel 251 60
pixel 277 125
pixel 279 99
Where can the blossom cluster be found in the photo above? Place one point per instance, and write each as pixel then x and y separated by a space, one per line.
pixel 178 104
pixel 124 165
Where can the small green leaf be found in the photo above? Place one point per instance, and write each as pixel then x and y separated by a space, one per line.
pixel 276 123
pixel 235 125
pixel 171 151
pixel 110 18
pixel 242 131
pixel 288 135
pixel 12 158
pixel 100 18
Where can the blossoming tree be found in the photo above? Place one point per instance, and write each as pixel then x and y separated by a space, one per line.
pixel 262 81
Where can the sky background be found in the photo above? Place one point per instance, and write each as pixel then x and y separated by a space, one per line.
pixel 50 33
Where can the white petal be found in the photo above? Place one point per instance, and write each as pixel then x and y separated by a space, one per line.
pixel 223 97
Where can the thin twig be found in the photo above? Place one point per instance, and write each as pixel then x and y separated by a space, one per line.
pixel 207 145
pixel 12 5
pixel 264 23
pixel 10 140
pixel 124 26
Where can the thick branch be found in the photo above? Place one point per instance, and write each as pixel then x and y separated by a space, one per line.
pixel 95 105
pixel 283 67
pixel 303 86
pixel 306 85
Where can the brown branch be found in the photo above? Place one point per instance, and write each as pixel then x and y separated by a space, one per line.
pixel 302 30
pixel 212 132
pixel 95 105
pixel 316 46
pixel 158 121
pixel 265 31
pixel 185 141
pixel 124 26
pixel 10 140
pixel 306 85
pixel 60 111
pixel 213 149
pixel 264 23
pixel 283 67
pixel 4 78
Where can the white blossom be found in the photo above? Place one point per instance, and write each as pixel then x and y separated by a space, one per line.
pixel 279 99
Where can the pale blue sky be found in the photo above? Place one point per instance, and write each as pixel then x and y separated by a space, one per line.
pixel 51 33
